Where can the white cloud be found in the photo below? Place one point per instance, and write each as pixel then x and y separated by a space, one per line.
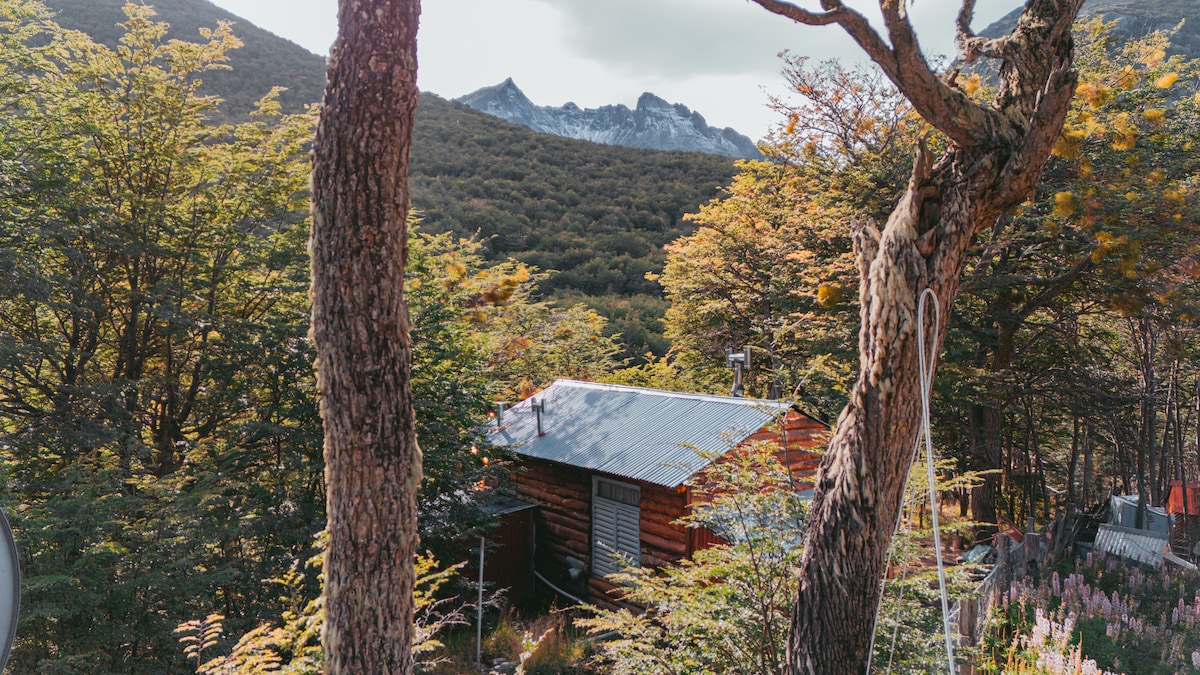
pixel 714 56
pixel 674 38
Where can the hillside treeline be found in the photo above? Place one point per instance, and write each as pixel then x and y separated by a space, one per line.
pixel 159 436
pixel 595 218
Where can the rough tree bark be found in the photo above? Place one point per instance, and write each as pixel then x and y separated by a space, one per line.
pixel 361 328
pixel 995 156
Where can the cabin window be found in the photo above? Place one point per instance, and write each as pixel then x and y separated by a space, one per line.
pixel 616 526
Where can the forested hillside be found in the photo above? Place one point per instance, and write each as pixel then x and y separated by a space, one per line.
pixel 264 60
pixel 596 217
pixel 159 429
pixel 160 441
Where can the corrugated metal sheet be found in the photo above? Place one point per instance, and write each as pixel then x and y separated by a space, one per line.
pixel 642 434
pixel 1143 546
pixel 1123 512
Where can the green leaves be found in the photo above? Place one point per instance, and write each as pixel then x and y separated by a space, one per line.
pixel 766 269
pixel 725 610
pixel 156 408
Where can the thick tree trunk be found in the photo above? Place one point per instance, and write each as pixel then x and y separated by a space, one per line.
pixel 987 453
pixel 995 156
pixel 863 474
pixel 988 419
pixel 361 329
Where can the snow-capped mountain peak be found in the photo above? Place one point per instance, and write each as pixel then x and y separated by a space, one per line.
pixel 654 123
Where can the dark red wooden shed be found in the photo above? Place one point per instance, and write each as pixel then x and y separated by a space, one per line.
pixel 608 467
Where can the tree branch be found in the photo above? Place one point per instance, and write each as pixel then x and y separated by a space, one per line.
pixel 804 16
pixel 1053 286
pixel 866 238
pixel 947 109
pixel 851 21
pixel 971 46
pixel 1043 128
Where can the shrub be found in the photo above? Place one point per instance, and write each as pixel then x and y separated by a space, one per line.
pixel 1126 617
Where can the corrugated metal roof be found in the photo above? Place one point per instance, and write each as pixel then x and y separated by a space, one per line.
pixel 1143 546
pixel 643 434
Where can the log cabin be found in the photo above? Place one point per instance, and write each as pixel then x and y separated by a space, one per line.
pixel 609 469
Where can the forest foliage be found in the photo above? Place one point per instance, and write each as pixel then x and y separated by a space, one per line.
pixel 595 218
pixel 1070 365
pixel 1071 368
pixel 160 435
pixel 262 62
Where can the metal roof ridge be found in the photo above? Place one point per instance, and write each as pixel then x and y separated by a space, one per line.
pixel 713 398
pixel 1121 529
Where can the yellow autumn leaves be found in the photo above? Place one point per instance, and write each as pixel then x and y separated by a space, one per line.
pixel 828 295
pixel 1167 80
pixel 1144 68
pixel 1065 204
pixel 1122 129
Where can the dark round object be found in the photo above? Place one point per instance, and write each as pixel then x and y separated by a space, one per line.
pixel 10 589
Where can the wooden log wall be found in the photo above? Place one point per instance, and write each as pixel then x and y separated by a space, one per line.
pixel 605 594
pixel 801 442
pixel 564 497
pixel 563 522
pixel 663 540
pixel 564 518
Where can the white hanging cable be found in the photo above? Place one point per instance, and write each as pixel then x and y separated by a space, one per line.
pixel 926 363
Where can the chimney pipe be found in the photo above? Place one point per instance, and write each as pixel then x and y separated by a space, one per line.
pixel 538 407
pixel 740 363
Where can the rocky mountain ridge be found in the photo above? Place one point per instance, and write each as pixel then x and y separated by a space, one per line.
pixel 1133 18
pixel 653 124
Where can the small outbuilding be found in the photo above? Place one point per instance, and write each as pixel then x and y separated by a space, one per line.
pixel 608 468
pixel 1183 503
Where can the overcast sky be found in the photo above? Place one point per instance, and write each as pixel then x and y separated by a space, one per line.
pixel 718 57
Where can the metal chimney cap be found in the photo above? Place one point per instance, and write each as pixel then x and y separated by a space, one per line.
pixel 735 359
